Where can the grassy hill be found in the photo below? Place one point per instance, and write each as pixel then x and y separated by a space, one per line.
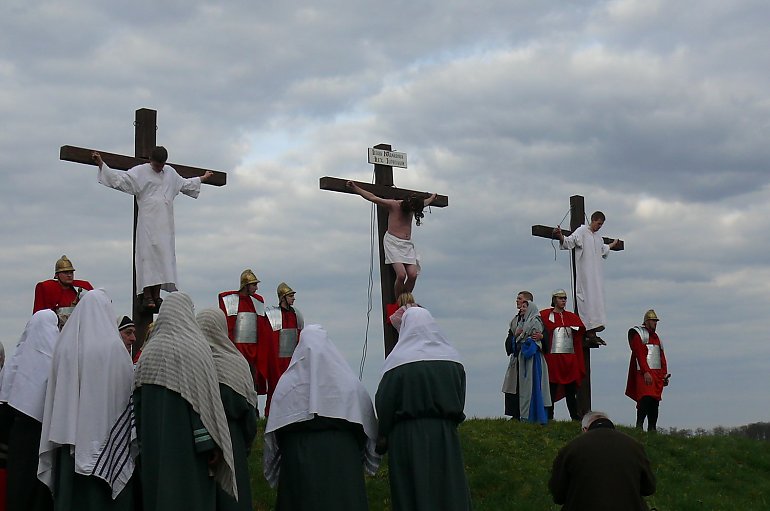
pixel 509 463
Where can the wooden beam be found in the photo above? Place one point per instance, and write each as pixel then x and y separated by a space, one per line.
pixel 386 192
pixel 121 162
pixel 544 231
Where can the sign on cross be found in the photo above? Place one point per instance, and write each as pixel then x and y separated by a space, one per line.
pixel 383 187
pixel 144 142
pixel 577 218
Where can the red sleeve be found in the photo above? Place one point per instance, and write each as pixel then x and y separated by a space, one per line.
pixel 84 284
pixel 640 352
pixel 39 298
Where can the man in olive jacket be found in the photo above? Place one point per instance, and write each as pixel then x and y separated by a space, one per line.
pixel 602 469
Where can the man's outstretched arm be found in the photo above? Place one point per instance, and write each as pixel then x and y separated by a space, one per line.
pixel 368 195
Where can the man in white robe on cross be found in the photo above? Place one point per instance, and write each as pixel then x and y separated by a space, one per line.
pixel 590 250
pixel 155 185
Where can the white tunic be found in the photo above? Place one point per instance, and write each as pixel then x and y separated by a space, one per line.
pixel 155 193
pixel 590 249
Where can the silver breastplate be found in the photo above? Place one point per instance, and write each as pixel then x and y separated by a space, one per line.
pixel 245 330
pixel 561 341
pixel 288 339
pixel 653 356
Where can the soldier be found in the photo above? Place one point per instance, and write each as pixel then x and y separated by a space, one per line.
pixel 287 323
pixel 62 292
pixel 566 366
pixel 248 327
pixel 647 371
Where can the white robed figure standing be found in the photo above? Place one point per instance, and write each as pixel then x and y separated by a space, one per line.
pixel 590 250
pixel 155 186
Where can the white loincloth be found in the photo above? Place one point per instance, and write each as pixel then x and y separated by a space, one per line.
pixel 400 251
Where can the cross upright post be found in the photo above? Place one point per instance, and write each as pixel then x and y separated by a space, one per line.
pixel 577 218
pixel 145 128
pixel 383 187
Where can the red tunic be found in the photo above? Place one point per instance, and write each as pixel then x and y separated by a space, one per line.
pixel 256 354
pixel 50 294
pixel 636 389
pixel 277 365
pixel 564 368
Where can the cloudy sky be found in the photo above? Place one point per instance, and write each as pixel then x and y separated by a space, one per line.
pixel 657 112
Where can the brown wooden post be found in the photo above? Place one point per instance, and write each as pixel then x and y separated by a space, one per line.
pixel 145 135
pixel 144 141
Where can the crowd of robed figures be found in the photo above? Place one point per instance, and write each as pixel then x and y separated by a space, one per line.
pixel 90 428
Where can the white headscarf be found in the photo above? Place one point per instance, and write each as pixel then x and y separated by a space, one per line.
pixel 179 359
pixel 420 339
pixel 88 402
pixel 232 368
pixel 26 378
pixel 318 381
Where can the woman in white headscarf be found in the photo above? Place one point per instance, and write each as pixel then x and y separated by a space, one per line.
pixel 23 388
pixel 88 442
pixel 239 399
pixel 420 403
pixel 185 442
pixel 321 432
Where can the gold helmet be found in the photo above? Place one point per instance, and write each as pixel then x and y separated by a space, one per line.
pixel 284 290
pixel 248 277
pixel 650 314
pixel 63 264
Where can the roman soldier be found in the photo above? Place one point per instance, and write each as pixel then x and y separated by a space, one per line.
pixel 647 370
pixel 248 327
pixel 287 323
pixel 566 365
pixel 62 292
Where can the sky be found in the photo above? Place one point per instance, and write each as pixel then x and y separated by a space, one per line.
pixel 656 112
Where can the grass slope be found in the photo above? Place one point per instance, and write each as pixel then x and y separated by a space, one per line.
pixel 509 463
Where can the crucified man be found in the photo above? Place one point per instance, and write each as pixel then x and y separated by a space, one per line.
pixel 397 242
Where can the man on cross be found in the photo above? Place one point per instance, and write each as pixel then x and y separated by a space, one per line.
pixel 397 242
pixel 590 249
pixel 155 185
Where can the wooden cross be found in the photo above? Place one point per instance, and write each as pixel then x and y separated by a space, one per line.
pixel 577 218
pixel 144 142
pixel 383 187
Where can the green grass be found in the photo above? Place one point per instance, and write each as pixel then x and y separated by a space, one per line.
pixel 508 465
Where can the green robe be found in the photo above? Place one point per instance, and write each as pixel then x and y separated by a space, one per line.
pixel 322 466
pixel 419 406
pixel 174 448
pixel 77 492
pixel 27 493
pixel 242 422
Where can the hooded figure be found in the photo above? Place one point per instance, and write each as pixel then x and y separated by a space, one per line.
pixel 88 440
pixel 321 432
pixel 239 399
pixel 181 423
pixel 420 403
pixel 23 388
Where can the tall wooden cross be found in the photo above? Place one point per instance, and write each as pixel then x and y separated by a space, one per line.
pixel 577 208
pixel 144 142
pixel 383 187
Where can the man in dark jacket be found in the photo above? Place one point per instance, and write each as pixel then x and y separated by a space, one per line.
pixel 603 469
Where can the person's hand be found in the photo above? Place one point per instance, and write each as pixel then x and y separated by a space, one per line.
pixel 614 243
pixel 537 335
pixel 351 185
pixel 97 159
pixel 519 331
pixel 206 176
pixel 665 379
pixel 214 457
pixel 647 379
pixel 558 232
